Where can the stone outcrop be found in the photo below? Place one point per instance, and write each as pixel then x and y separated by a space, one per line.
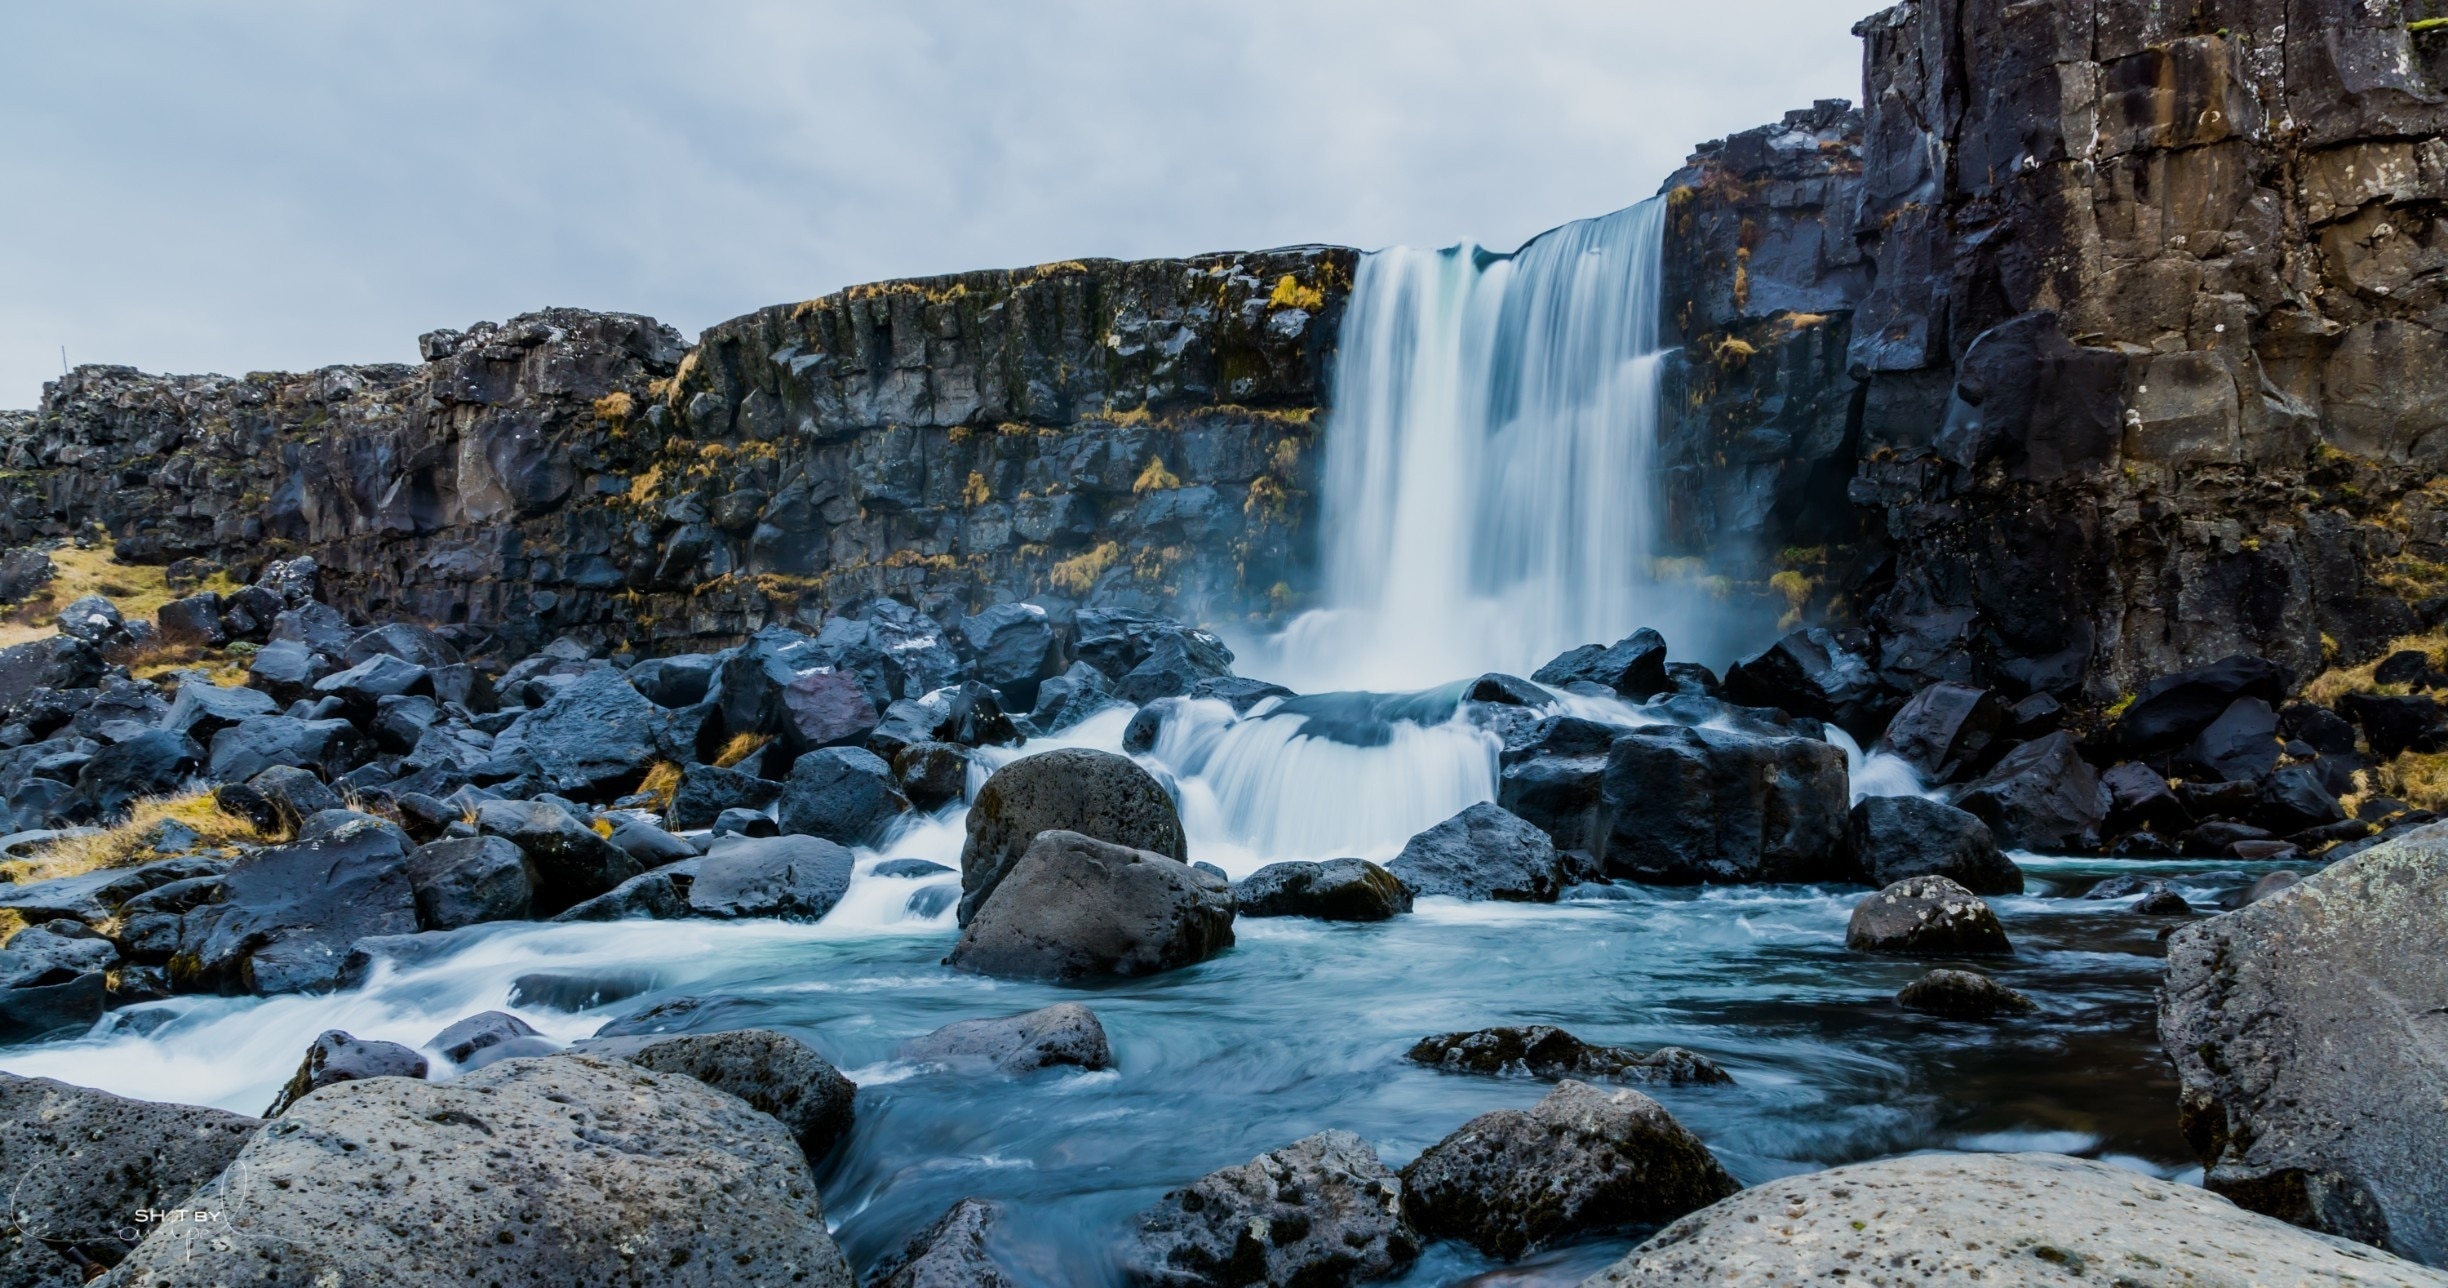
pixel 2306 1031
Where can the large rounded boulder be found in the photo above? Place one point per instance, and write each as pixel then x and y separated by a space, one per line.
pixel 1898 837
pixel 1926 917
pixel 1484 852
pixel 1074 789
pixel 1076 907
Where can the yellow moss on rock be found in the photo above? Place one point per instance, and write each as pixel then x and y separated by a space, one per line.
pixel 1079 573
pixel 1155 477
pixel 1290 294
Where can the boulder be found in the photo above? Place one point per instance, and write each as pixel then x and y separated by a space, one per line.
pixel 674 682
pixel 570 861
pixel 745 822
pixel 287 671
pixel 1634 666
pixel 1009 645
pixel 406 641
pixel 1580 1162
pixel 402 721
pixel 582 990
pixel 749 684
pixel 844 794
pixel 1320 1211
pixel 2040 796
pixel 660 895
pixel 1543 1051
pixel 794 878
pixel 2042 1220
pixel 931 774
pixel 775 1073
pixel 1335 890
pixel 2173 710
pixel 969 715
pixel 80 1162
pixel 1484 852
pixel 1962 995
pixel 1075 907
pixel 1239 692
pixel 2293 800
pixel 58 663
pixel 460 1041
pixel 1074 789
pixel 24 571
pixel 594 739
pixel 2238 747
pixel 1926 917
pixel 2393 726
pixel 1895 837
pixel 203 709
pixel 825 709
pixel 2139 798
pixel 568 1170
pixel 328 747
pixel 1065 1035
pixel 1687 805
pixel 340 1057
pixel 1813 672
pixel 1554 775
pixel 705 791
pixel 1177 660
pixel 1069 698
pixel 468 880
pixel 288 913
pixel 53 981
pixel 1943 730
pixel 157 763
pixel 1498 689
pixel 948 1254
pixel 367 683
pixel 93 619
pixel 2304 1030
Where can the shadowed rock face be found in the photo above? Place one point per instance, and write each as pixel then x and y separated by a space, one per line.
pixel 1137 434
pixel 2306 1030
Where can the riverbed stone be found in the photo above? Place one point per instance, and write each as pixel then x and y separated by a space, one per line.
pixel 80 1161
pixel 843 794
pixel 775 1073
pixel 1581 1161
pixel 289 913
pixel 1544 1051
pixel 1334 890
pixel 794 878
pixel 2043 1220
pixel 2305 1030
pixel 468 880
pixel 1076 907
pixel 2040 796
pixel 1484 852
pixel 339 1056
pixel 567 1170
pixel 1926 917
pixel 1897 837
pixel 1067 1034
pixel 1687 805
pixel 1320 1211
pixel 1962 995
pixel 1073 789
pixel 948 1254
pixel 571 861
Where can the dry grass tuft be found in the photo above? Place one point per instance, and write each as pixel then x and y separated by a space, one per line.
pixel 11 921
pixel 2420 779
pixel 138 589
pixel 741 747
pixel 662 781
pixel 2330 685
pixel 124 843
pixel 1156 477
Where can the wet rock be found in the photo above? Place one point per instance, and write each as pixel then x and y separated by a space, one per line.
pixel 1335 890
pixel 844 794
pixel 1687 805
pixel 594 739
pixel 574 991
pixel 1484 852
pixel 651 846
pixel 1010 645
pixel 1075 907
pixel 1500 689
pixel 1093 793
pixel 640 1169
pixel 2238 747
pixel 53 981
pixel 2161 900
pixel 1177 660
pixel 1240 693
pixel 1926 917
pixel 2173 710
pixel 289 913
pixel 1634 666
pixel 329 747
pixel 1580 1162
pixel 1962 995
pixel 1069 698
pixel 660 895
pixel 2308 1091
pixel 715 1013
pixel 2269 884
pixel 745 822
pixel 2035 1219
pixel 931 774
pixel 776 1074
pixel 911 868
pixel 2139 798
pixel 1943 730
pixel 1320 1211
pixel 79 1161
pixel 1542 1051
pixel 95 896
pixel 1065 1035
pixel 1554 775
pixel 2040 796
pixel 470 880
pixel 969 715
pixel 151 764
pixel 825 709
pixel 948 1254
pixel 794 878
pixel 340 1057
pixel 1812 672
pixel 706 791
pixel 461 1040
pixel 1896 837
pixel 570 861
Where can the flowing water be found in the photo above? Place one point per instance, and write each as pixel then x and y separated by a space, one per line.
pixel 1489 502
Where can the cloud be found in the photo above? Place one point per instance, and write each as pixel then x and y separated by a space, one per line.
pixel 280 185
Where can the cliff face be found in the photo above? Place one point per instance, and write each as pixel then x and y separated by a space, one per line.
pixel 1124 434
pixel 2144 357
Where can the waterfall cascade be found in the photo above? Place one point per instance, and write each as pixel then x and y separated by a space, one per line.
pixel 1490 497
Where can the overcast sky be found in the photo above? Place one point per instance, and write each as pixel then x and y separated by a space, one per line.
pixel 247 185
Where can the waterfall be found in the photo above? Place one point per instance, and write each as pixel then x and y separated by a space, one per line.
pixel 1490 497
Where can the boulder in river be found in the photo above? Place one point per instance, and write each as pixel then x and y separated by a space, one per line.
pixel 568 1170
pixel 843 794
pixel 1926 917
pixel 1944 730
pixel 2305 1029
pixel 288 913
pixel 2042 1220
pixel 79 1162
pixel 1074 789
pixel 1634 666
pixel 706 791
pixel 1581 1161
pixel 775 1073
pixel 1076 907
pixel 570 860
pixel 1067 1034
pixel 1962 995
pixel 2040 796
pixel 948 1254
pixel 1484 852
pixel 1818 673
pixel 795 878
pixel 1320 1211
pixel 1687 805
pixel 1334 890
pixel 1554 775
pixel 1895 837
pixel 2173 710
pixel 469 880
pixel 1544 1051
pixel 338 1056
